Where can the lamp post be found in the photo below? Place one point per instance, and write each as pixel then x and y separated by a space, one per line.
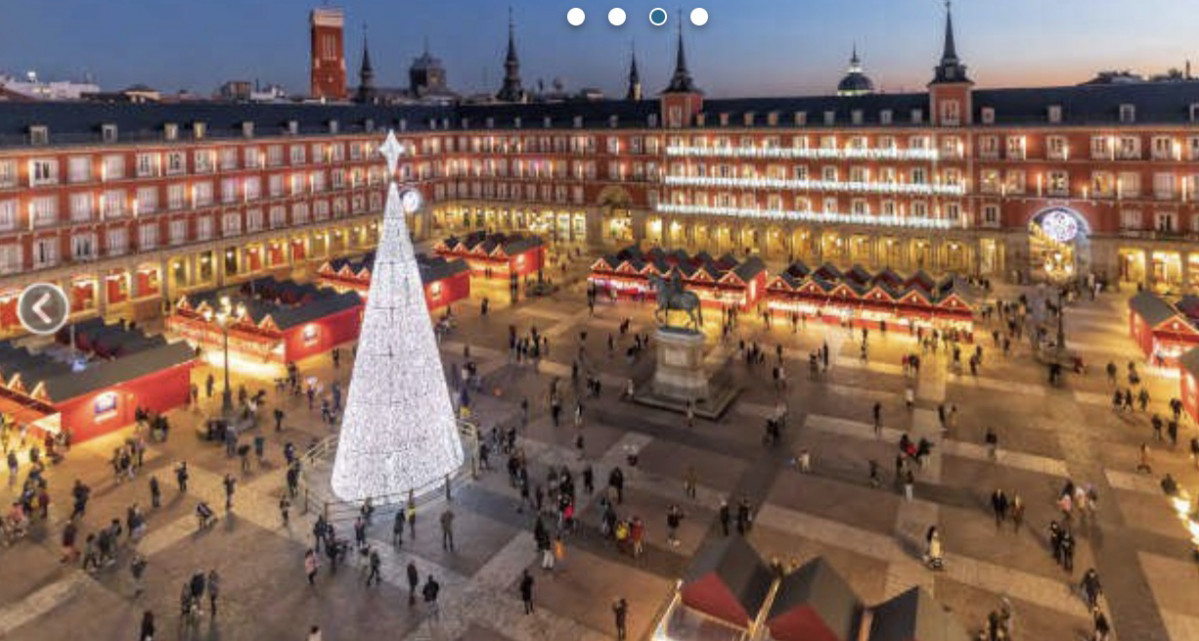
pixel 223 319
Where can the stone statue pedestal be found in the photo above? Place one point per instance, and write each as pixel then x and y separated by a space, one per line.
pixel 681 378
pixel 680 367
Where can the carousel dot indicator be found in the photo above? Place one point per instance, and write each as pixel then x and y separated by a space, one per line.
pixel 658 16
pixel 616 17
pixel 699 16
pixel 575 17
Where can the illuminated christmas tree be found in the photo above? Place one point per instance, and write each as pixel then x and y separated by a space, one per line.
pixel 398 431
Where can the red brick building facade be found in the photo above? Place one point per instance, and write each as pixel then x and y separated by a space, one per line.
pixel 128 205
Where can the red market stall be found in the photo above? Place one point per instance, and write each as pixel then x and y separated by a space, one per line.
pixel 98 395
pixel 721 597
pixel 1188 365
pixel 861 299
pixel 718 282
pixel 273 322
pixel 914 616
pixel 1162 332
pixel 446 281
pixel 496 256
pixel 814 603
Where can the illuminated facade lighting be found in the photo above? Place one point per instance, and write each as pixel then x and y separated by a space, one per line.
pixel 809 216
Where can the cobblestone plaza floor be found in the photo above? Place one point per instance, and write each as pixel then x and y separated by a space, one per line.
pixel 871 536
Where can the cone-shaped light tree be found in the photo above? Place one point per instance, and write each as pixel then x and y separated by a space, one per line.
pixel 398 431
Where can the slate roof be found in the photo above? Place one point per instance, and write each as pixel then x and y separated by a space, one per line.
pixel 438 268
pixel 738 567
pixel 817 585
pixel 1151 308
pixel 79 122
pixel 915 616
pixel 313 302
pixel 1189 361
pixel 102 374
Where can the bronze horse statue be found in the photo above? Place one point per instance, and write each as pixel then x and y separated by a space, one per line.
pixel 672 296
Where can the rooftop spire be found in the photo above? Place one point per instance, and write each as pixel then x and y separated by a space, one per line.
pixel 511 90
pixel 634 92
pixel 855 63
pixel 366 55
pixel 950 53
pixel 366 74
pixel 951 69
pixel 681 81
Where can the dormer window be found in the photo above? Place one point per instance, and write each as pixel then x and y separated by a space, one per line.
pixel 170 131
pixel 516 122
pixel 724 120
pixel 988 115
pixel 855 116
pixel 612 120
pixel 39 135
pixel 578 122
pixel 432 124
pixel 403 124
pixel 293 127
pixel 830 117
pixel 199 130
pixel 445 123
pixel 368 125
pixel 108 133
pixel 1195 113
pixel 334 126
pixel 1128 114
pixel 917 116
pixel 489 123
pixel 652 120
pixel 1055 114
pixel 772 119
pixel 701 119
pixel 749 118
pixel 247 129
pixel 884 117
pixel 466 123
pixel 801 118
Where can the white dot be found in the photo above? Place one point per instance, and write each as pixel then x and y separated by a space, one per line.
pixel 699 16
pixel 616 17
pixel 575 17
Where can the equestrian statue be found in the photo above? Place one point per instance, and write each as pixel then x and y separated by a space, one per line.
pixel 672 296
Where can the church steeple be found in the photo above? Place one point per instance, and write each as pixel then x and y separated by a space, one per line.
pixel 951 69
pixel 681 81
pixel 511 91
pixel 634 92
pixel 366 74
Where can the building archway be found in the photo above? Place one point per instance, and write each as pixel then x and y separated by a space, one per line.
pixel 616 205
pixel 1059 246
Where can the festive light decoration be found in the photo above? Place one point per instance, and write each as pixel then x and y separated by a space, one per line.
pixel 811 216
pixel 1060 226
pixel 877 153
pixel 819 185
pixel 398 431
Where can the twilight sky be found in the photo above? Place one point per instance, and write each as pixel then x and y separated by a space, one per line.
pixel 748 47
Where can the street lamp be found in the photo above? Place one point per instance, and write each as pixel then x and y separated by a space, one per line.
pixel 223 319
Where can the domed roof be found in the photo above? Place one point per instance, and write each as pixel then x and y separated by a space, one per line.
pixel 855 83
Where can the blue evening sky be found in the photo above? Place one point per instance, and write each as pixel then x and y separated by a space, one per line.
pixel 748 48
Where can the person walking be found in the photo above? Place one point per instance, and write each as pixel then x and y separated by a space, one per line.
pixel 447 530
pixel 410 510
pixel 137 568
pixel 214 590
pixel 397 529
pixel 689 482
pixel 314 633
pixel 620 609
pixel 311 565
pixel 429 592
pixel 376 562
pixel 147 627
pixel 526 590
pixel 878 420
pixel 285 510
pixel 999 504
pixel 724 516
pixel 1102 627
pixel 1091 587
pixel 413 580
pixel 909 483
pixel 992 442
pixel 155 492
pixel 1017 511
pixel 230 484
pixel 1143 460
